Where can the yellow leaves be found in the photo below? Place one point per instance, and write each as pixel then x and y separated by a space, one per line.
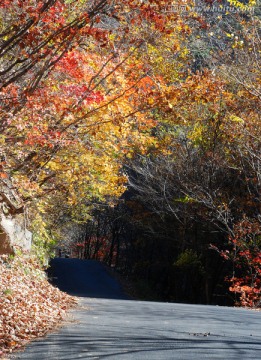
pixel 229 35
pixel 197 134
pixel 112 37
pixel 2 140
pixel 91 172
pixel 25 186
pixel 38 222
pixel 236 119
pixel 53 165
pixel 161 59
pixel 241 6
pixel 151 100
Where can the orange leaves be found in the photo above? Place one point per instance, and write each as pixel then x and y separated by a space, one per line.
pixel 153 16
pixel 3 175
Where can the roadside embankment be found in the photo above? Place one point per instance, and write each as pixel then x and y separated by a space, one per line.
pixel 29 306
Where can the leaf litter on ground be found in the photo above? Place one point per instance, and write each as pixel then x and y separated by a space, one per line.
pixel 29 305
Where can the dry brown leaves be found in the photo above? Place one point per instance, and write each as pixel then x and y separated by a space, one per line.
pixel 29 305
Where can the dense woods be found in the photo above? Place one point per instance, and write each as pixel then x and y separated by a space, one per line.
pixel 130 131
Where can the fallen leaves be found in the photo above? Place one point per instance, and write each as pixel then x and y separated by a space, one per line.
pixel 29 305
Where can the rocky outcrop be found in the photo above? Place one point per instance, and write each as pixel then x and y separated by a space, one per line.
pixel 13 231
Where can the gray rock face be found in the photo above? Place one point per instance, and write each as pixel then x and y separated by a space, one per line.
pixel 13 229
pixel 14 232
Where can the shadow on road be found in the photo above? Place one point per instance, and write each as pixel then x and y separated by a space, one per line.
pixel 113 329
pixel 131 347
pixel 85 278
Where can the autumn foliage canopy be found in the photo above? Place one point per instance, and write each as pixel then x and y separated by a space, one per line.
pixel 100 96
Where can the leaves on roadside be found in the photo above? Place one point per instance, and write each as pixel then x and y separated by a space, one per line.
pixel 29 305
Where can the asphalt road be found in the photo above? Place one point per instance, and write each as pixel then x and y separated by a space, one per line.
pixel 84 278
pixel 110 327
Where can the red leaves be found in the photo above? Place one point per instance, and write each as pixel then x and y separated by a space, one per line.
pixel 55 12
pixel 80 245
pixel 5 3
pixel 94 97
pixel 151 15
pixel 77 90
pixel 249 295
pixel 246 256
pixel 71 63
pixel 99 34
pixel 49 138
pixel 83 92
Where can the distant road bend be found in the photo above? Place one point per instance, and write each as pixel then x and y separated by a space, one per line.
pixel 108 325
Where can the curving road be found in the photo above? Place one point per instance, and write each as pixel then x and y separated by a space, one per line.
pixel 109 326
pixel 84 278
